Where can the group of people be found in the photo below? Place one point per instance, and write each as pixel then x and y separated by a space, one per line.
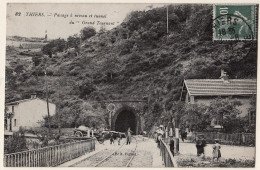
pixel 159 134
pixel 119 137
pixel 200 145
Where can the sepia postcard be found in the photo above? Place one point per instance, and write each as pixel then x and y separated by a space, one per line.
pixel 130 85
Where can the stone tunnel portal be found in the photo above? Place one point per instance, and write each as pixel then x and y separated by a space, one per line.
pixel 124 120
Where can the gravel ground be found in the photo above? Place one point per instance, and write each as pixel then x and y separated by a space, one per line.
pixel 142 159
pixel 94 159
pixel 120 158
pixel 227 151
pixel 147 154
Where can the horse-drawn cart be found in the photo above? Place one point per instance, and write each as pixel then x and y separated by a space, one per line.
pixel 82 131
pixel 101 136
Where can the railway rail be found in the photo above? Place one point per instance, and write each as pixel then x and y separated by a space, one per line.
pixel 119 157
pixel 124 161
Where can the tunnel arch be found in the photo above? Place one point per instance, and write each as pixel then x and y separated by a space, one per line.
pixel 126 117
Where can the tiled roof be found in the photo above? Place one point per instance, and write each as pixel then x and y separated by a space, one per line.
pixel 217 87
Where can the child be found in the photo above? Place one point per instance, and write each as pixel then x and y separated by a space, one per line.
pixel 216 150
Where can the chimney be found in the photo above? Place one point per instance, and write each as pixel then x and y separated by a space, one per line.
pixel 33 96
pixel 224 76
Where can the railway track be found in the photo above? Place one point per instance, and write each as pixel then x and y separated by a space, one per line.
pixel 119 157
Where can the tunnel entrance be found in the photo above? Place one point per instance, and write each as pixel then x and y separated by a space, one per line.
pixel 126 119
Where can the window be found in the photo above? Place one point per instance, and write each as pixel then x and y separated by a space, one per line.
pixel 13 109
pixel 14 122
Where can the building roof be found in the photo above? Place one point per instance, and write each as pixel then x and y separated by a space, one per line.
pixel 24 100
pixel 219 87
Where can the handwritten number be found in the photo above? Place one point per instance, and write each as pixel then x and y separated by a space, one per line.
pixel 18 14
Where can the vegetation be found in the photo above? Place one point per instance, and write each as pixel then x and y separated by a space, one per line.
pixel 15 143
pixel 133 60
pixel 54 46
pixel 198 117
pixel 207 162
pixel 87 32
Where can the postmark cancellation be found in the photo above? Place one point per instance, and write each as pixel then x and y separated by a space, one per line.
pixel 235 22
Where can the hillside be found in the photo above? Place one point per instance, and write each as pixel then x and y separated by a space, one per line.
pixel 134 60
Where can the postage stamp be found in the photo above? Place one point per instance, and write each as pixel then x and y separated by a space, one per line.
pixel 235 22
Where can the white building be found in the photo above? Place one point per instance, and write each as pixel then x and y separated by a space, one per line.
pixel 27 113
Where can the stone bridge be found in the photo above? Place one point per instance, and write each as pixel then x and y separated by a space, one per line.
pixel 124 114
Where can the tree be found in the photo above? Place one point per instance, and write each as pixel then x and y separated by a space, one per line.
pixel 85 88
pixel 16 143
pixel 54 46
pixel 73 41
pixel 87 32
pixel 36 60
pixel 111 65
pixel 225 111
pixel 252 115
pixel 177 111
pixel 195 117
pixel 19 69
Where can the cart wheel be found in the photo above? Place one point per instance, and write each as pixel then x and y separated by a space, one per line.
pixel 78 134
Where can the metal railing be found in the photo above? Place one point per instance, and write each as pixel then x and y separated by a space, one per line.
pixel 49 156
pixel 166 154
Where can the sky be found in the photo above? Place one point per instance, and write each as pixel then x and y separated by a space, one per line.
pixel 57 17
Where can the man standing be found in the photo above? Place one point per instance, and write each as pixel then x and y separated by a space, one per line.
pixel 111 138
pixel 171 145
pixel 200 144
pixel 128 136
pixel 119 138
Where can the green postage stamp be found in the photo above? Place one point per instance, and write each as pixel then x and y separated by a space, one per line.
pixel 235 22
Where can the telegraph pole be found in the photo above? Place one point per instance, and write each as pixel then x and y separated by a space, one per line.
pixel 59 116
pixel 167 21
pixel 47 100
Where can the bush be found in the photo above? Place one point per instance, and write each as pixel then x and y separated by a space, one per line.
pixel 15 143
pixel 184 161
pixel 54 46
pixel 87 32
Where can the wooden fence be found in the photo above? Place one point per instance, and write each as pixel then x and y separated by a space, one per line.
pixel 228 139
pixel 49 156
pixel 166 154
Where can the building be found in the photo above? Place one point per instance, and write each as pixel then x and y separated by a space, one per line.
pixel 203 91
pixel 26 113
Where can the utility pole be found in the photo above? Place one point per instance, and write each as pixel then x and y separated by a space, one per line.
pixel 59 119
pixel 47 100
pixel 167 23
